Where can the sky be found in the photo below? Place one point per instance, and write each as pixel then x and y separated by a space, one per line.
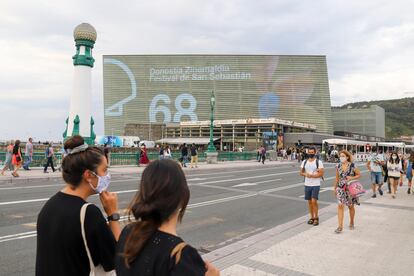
pixel 368 44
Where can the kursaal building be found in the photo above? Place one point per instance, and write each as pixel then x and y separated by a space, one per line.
pixel 140 89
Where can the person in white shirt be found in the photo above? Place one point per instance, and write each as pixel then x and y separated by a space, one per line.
pixel 312 170
pixel 394 166
pixel 167 152
pixel 374 165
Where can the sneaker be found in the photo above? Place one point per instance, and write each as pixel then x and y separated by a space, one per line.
pixel 409 191
pixel 45 172
pixel 374 196
pixel 380 192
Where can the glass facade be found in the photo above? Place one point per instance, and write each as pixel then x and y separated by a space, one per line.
pixel 176 88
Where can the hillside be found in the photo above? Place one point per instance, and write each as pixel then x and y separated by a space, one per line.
pixel 399 115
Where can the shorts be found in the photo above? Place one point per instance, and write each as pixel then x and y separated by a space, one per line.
pixel 376 178
pixel 312 192
pixel 394 177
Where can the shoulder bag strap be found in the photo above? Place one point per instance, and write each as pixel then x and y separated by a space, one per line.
pixel 82 218
pixel 176 252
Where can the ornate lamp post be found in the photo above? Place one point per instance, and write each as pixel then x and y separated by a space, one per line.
pixel 211 150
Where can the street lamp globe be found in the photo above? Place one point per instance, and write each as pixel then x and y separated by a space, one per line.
pixel 212 99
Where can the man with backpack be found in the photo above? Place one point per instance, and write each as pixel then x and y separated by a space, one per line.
pixel 312 170
pixel 49 154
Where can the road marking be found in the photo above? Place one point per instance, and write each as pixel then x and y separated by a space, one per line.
pixel 255 183
pixel 31 187
pixel 131 191
pixel 199 184
pixel 17 235
pixel 190 206
pixel 24 201
pixel 124 218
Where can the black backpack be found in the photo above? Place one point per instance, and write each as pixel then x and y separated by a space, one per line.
pixel 317 165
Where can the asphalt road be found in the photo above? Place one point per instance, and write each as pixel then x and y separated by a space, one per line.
pixel 226 205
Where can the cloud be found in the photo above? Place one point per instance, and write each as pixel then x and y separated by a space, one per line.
pixel 368 46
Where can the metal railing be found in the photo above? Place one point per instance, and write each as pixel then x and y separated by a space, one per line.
pixel 132 159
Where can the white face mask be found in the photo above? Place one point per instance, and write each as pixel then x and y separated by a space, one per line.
pixel 394 157
pixel 343 159
pixel 103 183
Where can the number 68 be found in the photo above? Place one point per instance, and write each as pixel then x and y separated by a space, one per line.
pixel 154 109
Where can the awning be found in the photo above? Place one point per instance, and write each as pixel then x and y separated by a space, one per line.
pixel 187 140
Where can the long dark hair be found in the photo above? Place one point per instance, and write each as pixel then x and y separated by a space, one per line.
pixel 396 161
pixel 411 158
pixel 16 147
pixel 163 191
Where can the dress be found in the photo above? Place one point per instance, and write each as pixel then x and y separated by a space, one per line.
pixel 342 191
pixel 144 157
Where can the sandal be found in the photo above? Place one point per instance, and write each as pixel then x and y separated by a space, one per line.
pixel 338 230
pixel 310 221
pixel 351 227
pixel 315 221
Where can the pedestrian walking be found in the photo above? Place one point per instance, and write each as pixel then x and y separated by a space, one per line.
pixel 167 152
pixel 73 237
pixel 28 155
pixel 312 170
pixel 9 156
pixel 150 243
pixel 289 154
pixel 263 155
pixel 385 173
pixel 161 152
pixel 106 152
pixel 17 160
pixel 346 171
pixel 184 155
pixel 194 156
pixel 49 154
pixel 374 165
pixel 144 155
pixel 394 166
pixel 409 171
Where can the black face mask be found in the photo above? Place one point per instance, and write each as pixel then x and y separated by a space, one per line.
pixel 311 155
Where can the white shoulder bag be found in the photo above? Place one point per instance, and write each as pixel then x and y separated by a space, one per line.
pixel 95 270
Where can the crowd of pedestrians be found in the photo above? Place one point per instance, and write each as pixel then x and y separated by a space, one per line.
pixel 74 238
pixel 390 167
pixel 14 157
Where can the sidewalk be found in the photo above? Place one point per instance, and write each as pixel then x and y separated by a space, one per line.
pixel 37 173
pixel 381 244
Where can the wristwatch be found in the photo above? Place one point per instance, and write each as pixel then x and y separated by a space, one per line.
pixel 114 217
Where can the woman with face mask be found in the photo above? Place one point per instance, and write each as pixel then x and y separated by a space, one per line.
pixel 395 168
pixel 345 172
pixel 73 237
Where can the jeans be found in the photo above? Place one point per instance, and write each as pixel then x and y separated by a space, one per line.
pixel 49 162
pixel 28 160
